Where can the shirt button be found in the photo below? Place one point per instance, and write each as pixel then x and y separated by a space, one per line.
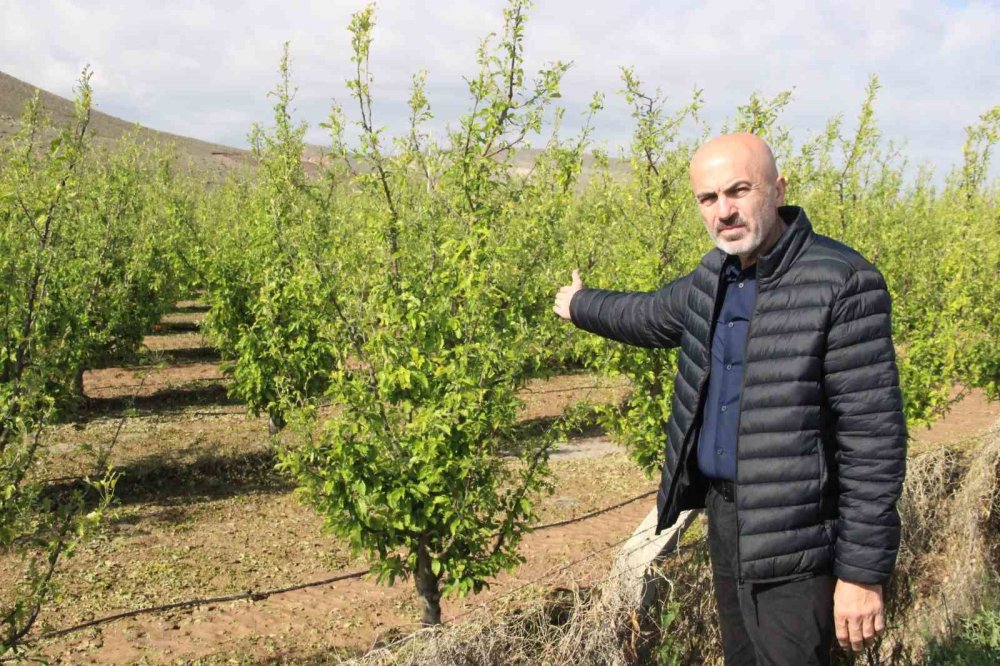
pixel 724 408
pixel 720 452
pixel 729 366
pixel 740 285
pixel 730 324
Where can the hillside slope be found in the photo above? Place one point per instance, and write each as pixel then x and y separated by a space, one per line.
pixel 14 93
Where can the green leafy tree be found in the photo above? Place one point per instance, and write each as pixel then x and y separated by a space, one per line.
pixel 420 463
pixel 935 250
pixel 640 234
pixel 266 316
pixel 46 301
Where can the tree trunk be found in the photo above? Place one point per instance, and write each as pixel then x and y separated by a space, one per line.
pixel 80 397
pixel 275 423
pixel 427 585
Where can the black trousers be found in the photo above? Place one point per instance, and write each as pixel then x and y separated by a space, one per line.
pixel 787 623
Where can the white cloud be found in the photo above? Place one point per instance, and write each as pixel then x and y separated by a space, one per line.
pixel 204 68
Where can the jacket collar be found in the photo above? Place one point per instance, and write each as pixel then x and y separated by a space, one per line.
pixel 796 238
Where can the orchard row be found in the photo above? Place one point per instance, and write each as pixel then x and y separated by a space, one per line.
pixel 407 287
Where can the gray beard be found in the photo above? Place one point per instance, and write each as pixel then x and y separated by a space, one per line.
pixel 742 247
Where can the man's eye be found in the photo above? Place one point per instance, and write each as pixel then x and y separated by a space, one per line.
pixel 706 200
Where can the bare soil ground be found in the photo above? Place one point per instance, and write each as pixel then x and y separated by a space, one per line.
pixel 970 417
pixel 201 513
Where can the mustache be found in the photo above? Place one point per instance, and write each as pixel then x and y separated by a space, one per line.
pixel 731 224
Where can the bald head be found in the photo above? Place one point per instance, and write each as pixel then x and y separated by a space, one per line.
pixel 738 188
pixel 747 150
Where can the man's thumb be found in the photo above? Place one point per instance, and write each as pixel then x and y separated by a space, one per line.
pixel 577 282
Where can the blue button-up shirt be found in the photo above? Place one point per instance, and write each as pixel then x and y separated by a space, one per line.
pixel 717 438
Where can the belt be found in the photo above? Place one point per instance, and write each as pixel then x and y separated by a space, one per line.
pixel 725 488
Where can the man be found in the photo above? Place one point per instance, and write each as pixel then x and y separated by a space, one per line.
pixel 786 420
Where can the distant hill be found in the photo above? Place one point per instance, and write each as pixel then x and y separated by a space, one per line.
pixel 14 93
pixel 214 157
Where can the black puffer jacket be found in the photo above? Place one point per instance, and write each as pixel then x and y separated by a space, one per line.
pixel 821 449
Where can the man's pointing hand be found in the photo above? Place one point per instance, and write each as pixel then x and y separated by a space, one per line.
pixel 565 295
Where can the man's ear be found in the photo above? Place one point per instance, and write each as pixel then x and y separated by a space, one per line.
pixel 779 190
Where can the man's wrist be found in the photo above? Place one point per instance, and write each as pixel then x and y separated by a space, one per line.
pixel 855 574
pixel 573 320
pixel 871 587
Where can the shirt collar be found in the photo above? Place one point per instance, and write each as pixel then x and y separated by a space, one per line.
pixel 733 271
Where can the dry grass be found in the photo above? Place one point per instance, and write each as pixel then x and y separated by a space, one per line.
pixel 950 556
pixel 586 626
pixel 566 626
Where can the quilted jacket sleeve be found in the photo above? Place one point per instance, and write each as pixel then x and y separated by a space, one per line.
pixel 862 386
pixel 645 319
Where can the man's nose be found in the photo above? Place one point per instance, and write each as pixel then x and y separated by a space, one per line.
pixel 725 208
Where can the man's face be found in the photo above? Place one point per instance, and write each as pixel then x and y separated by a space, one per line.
pixel 738 193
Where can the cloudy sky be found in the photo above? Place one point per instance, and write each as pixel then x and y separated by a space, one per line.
pixel 203 69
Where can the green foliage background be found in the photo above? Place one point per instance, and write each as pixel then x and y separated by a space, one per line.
pixel 390 304
pixel 91 253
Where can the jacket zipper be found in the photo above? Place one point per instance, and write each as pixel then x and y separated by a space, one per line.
pixel 822 481
pixel 739 419
pixel 685 445
pixel 682 458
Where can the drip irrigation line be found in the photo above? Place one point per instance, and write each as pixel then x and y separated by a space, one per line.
pixel 147 413
pixel 567 389
pixel 598 512
pixel 264 594
pixel 239 411
pixel 191 603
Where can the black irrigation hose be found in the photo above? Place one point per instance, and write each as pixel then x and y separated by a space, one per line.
pixel 593 514
pixel 259 596
pixel 191 603
pixel 566 389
